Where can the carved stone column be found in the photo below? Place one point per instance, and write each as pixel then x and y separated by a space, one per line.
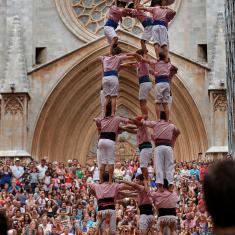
pixel 14 91
pixel 14 116
pixel 219 130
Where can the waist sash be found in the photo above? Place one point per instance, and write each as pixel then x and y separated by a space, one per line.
pixel 110 73
pixel 106 203
pixel 160 22
pixel 147 22
pixel 108 135
pixel 111 23
pixel 146 209
pixel 145 145
pixel 144 79
pixel 166 211
pixel 159 142
pixel 162 78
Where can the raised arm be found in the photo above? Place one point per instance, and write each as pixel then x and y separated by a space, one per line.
pixel 146 1
pixel 133 185
pixel 128 129
pixel 148 9
pixel 128 65
pixel 131 55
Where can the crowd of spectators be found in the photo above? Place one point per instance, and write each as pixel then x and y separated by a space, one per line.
pixel 53 197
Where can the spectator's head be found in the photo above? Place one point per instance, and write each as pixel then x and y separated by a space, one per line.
pixel 43 162
pixel 3 223
pixel 118 165
pixel 66 229
pixel 219 190
pixel 17 162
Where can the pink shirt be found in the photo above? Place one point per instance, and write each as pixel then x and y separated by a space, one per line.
pixel 142 68
pixel 112 62
pixel 106 190
pixel 162 68
pixel 110 124
pixel 160 13
pixel 165 199
pixel 115 13
pixel 143 135
pixel 162 130
pixel 144 197
pixel 140 15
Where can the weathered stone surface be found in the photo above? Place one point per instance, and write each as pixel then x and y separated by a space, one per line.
pixel 65 90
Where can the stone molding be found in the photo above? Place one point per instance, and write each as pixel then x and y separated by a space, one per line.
pixel 219 101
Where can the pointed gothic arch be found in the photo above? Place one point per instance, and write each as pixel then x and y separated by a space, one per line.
pixel 65 127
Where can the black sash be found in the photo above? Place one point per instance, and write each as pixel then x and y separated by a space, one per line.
pixel 108 135
pixel 106 203
pixel 146 209
pixel 166 211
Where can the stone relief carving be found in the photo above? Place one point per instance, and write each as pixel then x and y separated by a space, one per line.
pixel 13 105
pixel 220 102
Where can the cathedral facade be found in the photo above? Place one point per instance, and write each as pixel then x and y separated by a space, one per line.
pixel 51 76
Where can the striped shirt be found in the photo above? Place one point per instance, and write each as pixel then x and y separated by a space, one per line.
pixel 106 190
pixel 164 14
pixel 140 15
pixel 110 124
pixel 110 63
pixel 143 135
pixel 144 196
pixel 163 68
pixel 162 130
pixel 115 13
pixel 165 199
pixel 142 68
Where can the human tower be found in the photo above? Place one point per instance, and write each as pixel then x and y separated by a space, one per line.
pixel 164 132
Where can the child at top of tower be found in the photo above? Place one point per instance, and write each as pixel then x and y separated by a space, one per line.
pixel 146 22
pixel 162 15
pixel 111 64
pixel 114 15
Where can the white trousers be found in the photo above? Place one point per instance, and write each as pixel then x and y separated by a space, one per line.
pixel 106 151
pixel 164 164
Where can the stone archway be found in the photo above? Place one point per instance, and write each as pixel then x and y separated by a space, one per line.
pixel 65 125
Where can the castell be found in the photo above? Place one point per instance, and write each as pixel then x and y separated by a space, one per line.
pixel 117 117
pixel 159 144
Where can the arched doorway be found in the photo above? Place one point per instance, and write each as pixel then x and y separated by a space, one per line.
pixel 65 127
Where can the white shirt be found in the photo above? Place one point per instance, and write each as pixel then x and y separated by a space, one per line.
pixel 46 229
pixel 17 171
pixel 41 171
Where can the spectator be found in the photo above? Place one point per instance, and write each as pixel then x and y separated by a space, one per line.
pixel 17 172
pixel 219 189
